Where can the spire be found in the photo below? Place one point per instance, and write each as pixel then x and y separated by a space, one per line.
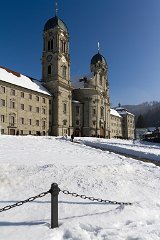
pixel 56 7
pixel 98 48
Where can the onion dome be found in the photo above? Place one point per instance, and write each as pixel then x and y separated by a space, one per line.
pixel 98 58
pixel 55 22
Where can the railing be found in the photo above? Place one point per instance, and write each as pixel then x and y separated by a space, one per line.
pixel 54 191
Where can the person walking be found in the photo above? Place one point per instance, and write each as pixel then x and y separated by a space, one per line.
pixel 72 137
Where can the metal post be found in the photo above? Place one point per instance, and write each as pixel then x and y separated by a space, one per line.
pixel 54 205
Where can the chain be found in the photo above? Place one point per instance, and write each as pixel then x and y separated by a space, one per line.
pixel 31 199
pixel 94 199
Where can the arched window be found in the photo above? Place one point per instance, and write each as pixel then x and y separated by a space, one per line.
pixel 49 69
pixel 64 71
pixel 50 44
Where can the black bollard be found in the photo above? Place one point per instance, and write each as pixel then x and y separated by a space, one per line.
pixel 54 205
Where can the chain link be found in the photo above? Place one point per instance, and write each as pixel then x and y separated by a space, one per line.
pixel 31 199
pixel 94 199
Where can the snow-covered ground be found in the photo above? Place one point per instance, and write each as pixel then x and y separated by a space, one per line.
pixel 30 164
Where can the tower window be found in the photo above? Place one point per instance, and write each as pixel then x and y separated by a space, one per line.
pixel 50 44
pixel 100 80
pixel 49 69
pixel 64 107
pixel 64 71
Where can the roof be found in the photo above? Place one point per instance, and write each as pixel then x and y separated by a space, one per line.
pixel 123 111
pixel 55 22
pixel 20 80
pixel 115 113
pixel 98 57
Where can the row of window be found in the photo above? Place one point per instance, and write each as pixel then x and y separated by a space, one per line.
pixel 22 106
pixel 52 43
pixel 30 96
pixel 64 71
pixel 21 132
pixel 12 121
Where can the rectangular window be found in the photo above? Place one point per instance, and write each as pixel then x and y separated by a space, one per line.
pixel 37 98
pixel 21 132
pixel 22 106
pixel 11 120
pixel 12 104
pixel 30 96
pixel 43 100
pixel 2 89
pixel 13 92
pixel 37 109
pixel 77 110
pixel 2 118
pixel 22 94
pixel 2 131
pixel 2 103
pixel 37 122
pixel 102 112
pixel 43 110
pixel 30 121
pixel 30 108
pixel 22 120
pixel 64 107
pixel 93 111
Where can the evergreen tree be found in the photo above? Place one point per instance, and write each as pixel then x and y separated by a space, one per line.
pixel 140 122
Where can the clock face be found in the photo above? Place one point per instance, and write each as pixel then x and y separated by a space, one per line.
pixel 64 59
pixel 49 58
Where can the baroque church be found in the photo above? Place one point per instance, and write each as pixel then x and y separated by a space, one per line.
pixel 53 106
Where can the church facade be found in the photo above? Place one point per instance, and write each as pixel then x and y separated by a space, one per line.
pixel 53 106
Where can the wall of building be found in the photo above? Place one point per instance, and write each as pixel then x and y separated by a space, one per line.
pixel 23 111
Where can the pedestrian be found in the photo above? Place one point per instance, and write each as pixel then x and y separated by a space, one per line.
pixel 72 137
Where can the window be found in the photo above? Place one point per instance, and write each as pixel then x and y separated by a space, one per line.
pixel 43 124
pixel 100 80
pixel 77 110
pixel 22 94
pixel 102 112
pixel 30 108
pixel 49 69
pixel 50 44
pixel 22 120
pixel 2 131
pixel 12 104
pixel 2 89
pixel 2 102
pixel 11 120
pixel 2 118
pixel 37 122
pixel 43 111
pixel 30 121
pixel 37 98
pixel 94 123
pixel 93 111
pixel 64 71
pixel 30 96
pixel 77 122
pixel 43 100
pixel 22 106
pixel 30 132
pixel 13 92
pixel 64 107
pixel 37 109
pixel 21 132
pixel 64 122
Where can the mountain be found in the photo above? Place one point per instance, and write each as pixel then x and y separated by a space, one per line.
pixel 149 110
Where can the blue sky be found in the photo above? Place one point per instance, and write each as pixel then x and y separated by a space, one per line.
pixel 128 32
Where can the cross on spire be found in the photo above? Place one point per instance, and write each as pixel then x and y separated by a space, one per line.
pixel 98 47
pixel 56 7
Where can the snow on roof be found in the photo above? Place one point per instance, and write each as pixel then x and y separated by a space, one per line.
pixel 114 112
pixel 20 80
pixel 123 111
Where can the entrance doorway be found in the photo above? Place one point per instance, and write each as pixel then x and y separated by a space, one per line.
pixel 12 131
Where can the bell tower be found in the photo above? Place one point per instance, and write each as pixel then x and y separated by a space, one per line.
pixel 56 74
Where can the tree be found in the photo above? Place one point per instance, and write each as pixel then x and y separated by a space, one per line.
pixel 140 122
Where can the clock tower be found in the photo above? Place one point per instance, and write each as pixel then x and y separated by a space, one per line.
pixel 56 74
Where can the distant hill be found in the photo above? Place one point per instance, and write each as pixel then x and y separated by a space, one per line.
pixel 150 111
